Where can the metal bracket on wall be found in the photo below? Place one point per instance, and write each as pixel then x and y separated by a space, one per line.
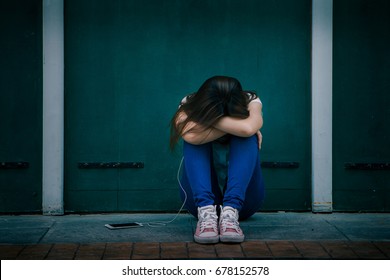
pixel 102 165
pixel 14 165
pixel 278 164
pixel 367 166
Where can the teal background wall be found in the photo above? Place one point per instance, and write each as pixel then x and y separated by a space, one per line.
pixel 128 65
pixel 361 104
pixel 21 104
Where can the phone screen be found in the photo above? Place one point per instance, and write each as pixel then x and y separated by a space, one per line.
pixel 123 225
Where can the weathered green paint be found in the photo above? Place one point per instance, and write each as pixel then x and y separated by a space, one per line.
pixel 21 104
pixel 129 63
pixel 361 104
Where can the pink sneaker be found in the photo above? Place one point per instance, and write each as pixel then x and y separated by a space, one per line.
pixel 207 226
pixel 229 228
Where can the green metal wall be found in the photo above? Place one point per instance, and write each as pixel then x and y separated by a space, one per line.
pixel 21 105
pixel 361 105
pixel 129 63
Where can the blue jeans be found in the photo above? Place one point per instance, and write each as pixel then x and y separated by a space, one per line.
pixel 244 189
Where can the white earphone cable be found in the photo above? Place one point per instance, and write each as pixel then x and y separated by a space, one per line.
pixel 164 223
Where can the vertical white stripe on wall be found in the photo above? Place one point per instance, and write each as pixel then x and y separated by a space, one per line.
pixel 53 108
pixel 322 17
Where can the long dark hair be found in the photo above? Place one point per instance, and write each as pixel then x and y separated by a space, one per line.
pixel 217 97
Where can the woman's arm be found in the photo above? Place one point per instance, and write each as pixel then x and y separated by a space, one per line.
pixel 195 134
pixel 243 127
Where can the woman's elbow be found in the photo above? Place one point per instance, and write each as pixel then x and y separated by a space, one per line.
pixel 191 138
pixel 248 131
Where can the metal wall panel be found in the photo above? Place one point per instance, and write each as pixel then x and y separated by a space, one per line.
pixel 361 102
pixel 21 106
pixel 128 65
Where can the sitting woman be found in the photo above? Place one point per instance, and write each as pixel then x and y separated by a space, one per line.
pixel 220 113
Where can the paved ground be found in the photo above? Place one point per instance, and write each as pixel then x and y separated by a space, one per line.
pixel 268 236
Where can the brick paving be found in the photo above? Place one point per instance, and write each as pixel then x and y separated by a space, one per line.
pixel 282 249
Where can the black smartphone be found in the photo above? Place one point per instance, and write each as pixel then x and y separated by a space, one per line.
pixel 123 225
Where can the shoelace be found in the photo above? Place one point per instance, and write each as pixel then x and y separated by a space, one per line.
pixel 229 221
pixel 208 219
pixel 208 224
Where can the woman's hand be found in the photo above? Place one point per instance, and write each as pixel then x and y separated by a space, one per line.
pixel 259 138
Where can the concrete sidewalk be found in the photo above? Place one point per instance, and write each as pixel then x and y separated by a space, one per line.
pixel 268 235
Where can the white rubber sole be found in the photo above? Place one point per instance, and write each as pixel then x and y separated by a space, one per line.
pixel 206 240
